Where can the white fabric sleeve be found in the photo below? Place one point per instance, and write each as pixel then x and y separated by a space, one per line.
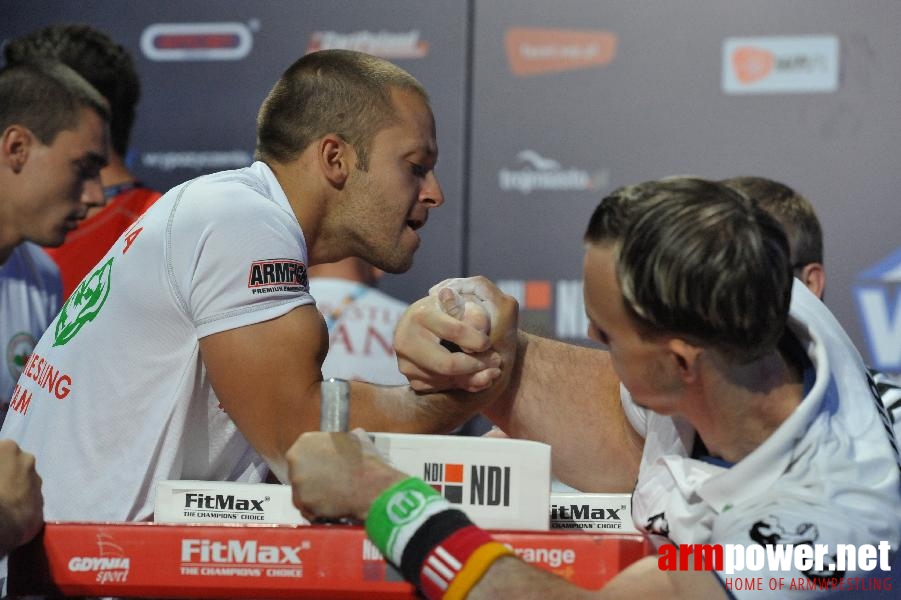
pixel 237 258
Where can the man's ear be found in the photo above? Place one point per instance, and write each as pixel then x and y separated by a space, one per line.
pixel 685 356
pixel 813 275
pixel 336 159
pixel 15 145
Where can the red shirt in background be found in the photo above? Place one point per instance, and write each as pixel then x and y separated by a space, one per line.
pixel 86 245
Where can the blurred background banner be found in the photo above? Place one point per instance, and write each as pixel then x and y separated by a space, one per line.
pixel 544 106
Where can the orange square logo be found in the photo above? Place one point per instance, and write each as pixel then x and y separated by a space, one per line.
pixel 752 64
pixel 537 50
pixel 538 295
pixel 453 473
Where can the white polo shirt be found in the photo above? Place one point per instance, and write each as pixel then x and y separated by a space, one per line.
pixel 828 475
pixel 118 397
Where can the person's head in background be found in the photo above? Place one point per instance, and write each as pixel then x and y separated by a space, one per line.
pixel 797 217
pixel 106 65
pixel 54 140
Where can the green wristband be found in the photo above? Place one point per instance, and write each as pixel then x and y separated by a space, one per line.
pixel 399 505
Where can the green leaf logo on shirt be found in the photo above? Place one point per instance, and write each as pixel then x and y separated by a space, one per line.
pixel 84 304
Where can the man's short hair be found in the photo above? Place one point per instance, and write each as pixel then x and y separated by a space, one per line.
pixel 793 211
pixel 331 91
pixel 47 98
pixel 697 259
pixel 105 64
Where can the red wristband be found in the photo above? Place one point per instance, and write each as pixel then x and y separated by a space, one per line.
pixel 447 559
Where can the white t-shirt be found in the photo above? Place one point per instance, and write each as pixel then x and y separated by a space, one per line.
pixel 119 396
pixel 889 389
pixel 30 296
pixel 361 322
pixel 828 475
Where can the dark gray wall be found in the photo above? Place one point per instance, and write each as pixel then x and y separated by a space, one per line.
pixel 568 100
pixel 202 112
pixel 659 108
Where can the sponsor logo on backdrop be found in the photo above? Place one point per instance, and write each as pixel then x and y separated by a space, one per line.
pixel 240 558
pixel 554 308
pixel 488 485
pixel 537 51
pixel 878 296
pixel 197 41
pixel 386 44
pixel 197 160
pixel 110 564
pixel 780 65
pixel 537 172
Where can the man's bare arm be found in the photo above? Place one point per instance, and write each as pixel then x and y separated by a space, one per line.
pixel 511 578
pixel 569 397
pixel 267 377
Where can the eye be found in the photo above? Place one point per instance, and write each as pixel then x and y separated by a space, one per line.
pixel 87 171
pixel 419 170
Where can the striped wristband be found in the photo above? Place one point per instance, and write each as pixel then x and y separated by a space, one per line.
pixel 436 547
pixel 398 512
pixel 456 564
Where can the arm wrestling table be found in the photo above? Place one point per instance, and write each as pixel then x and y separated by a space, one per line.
pixel 267 561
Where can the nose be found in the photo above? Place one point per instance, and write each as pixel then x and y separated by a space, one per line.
pixel 92 193
pixel 431 193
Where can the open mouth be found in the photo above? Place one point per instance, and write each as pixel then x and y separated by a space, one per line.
pixel 415 224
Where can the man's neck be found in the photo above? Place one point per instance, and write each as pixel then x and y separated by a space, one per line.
pixel 310 198
pixel 9 239
pixel 349 269
pixel 740 406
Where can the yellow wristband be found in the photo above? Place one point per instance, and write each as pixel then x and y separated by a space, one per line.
pixel 475 567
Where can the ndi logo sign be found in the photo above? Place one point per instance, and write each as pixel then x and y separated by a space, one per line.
pixel 489 485
pixel 878 297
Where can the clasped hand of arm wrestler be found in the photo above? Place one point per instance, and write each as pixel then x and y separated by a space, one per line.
pixel 471 314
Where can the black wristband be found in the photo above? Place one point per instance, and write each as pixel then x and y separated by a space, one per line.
pixel 435 530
